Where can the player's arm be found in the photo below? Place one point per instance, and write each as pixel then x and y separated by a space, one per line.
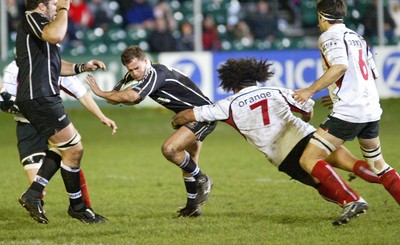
pixel 88 102
pixel 69 69
pixel 182 118
pixel 333 74
pixel 113 97
pixel 55 31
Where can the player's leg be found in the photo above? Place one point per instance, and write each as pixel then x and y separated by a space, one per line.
pixel 45 114
pixel 182 148
pixel 32 149
pixel 342 158
pixel 371 150
pixel 313 161
pixel 84 189
pixel 173 149
pixel 68 142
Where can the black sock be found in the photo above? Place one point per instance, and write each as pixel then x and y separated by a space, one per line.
pixel 191 189
pixel 189 166
pixel 71 180
pixel 50 165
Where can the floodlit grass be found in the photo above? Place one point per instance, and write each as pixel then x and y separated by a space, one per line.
pixel 139 191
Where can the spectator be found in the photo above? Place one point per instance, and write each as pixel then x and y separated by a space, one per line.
pixel 101 12
pixel 163 10
pixel 14 14
pixel 140 16
pixel 370 22
pixel 395 14
pixel 80 15
pixel 263 22
pixel 186 39
pixel 211 39
pixel 241 32
pixel 161 39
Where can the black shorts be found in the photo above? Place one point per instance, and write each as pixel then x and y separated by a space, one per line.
pixel 201 129
pixel 29 141
pixel 291 164
pixel 348 131
pixel 46 114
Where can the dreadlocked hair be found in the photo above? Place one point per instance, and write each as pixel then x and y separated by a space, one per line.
pixel 239 73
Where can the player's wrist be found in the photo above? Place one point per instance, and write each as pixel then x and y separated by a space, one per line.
pixel 79 68
pixel 63 8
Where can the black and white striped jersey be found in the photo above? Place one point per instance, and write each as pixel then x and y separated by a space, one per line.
pixel 170 88
pixel 39 61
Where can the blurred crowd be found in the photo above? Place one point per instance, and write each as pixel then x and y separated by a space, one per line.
pixel 168 25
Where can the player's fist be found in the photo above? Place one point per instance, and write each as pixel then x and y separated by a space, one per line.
pixel 94 65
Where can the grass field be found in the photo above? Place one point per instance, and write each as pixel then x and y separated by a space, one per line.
pixel 139 191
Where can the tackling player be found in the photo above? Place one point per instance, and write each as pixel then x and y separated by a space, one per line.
pixel 264 117
pixel 175 91
pixel 350 75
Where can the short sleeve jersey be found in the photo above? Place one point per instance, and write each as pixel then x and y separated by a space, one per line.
pixel 354 95
pixel 72 86
pixel 264 117
pixel 39 61
pixel 169 88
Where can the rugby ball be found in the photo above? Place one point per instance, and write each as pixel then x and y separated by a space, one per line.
pixel 120 86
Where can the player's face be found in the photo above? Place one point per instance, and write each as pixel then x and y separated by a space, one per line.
pixel 321 23
pixel 51 10
pixel 137 68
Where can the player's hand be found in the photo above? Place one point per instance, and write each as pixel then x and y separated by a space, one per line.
pixel 302 95
pixel 174 126
pixel 94 65
pixel 91 82
pixel 8 104
pixel 110 123
pixel 327 101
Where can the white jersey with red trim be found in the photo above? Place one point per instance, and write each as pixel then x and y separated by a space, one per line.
pixel 264 117
pixel 355 96
pixel 70 85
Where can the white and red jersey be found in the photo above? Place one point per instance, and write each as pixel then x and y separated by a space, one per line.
pixel 70 85
pixel 264 117
pixel 355 96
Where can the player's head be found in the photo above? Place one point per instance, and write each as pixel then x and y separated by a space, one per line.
pixel 135 61
pixel 332 11
pixel 236 74
pixel 33 4
pixel 131 53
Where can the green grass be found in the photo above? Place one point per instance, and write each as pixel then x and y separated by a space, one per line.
pixel 139 191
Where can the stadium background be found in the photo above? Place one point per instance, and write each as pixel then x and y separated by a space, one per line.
pixel 136 188
pixel 292 50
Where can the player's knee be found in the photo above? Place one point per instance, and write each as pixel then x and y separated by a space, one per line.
pixel 72 149
pixel 304 163
pixel 169 150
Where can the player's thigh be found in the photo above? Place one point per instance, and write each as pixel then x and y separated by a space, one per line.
pixel 29 141
pixel 342 158
pixel 321 145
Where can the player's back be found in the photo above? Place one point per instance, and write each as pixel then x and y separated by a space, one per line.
pixel 264 117
pixel 355 95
